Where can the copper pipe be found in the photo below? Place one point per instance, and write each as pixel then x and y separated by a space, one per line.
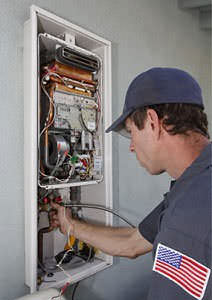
pixel 51 108
pixel 72 72
pixel 62 87
pixel 74 83
pixel 40 242
pixel 46 132
pixel 41 167
pixel 40 239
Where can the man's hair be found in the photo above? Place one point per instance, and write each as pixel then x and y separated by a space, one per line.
pixel 179 118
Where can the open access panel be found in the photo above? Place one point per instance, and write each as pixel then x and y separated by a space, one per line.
pixel 67 106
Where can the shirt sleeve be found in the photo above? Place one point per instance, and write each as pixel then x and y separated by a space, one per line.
pixel 149 226
pixel 181 269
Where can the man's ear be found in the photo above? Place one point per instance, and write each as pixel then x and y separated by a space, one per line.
pixel 154 122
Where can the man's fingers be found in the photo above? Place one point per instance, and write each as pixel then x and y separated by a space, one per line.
pixel 60 217
pixel 56 223
pixel 55 205
pixel 52 213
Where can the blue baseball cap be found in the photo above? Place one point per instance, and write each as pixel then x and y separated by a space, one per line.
pixel 158 86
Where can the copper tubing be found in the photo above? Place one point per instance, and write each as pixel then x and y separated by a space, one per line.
pixel 40 242
pixel 51 112
pixel 72 72
pixel 62 87
pixel 40 239
pixel 41 167
pixel 46 132
pixel 74 83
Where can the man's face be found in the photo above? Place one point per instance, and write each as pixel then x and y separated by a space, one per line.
pixel 145 145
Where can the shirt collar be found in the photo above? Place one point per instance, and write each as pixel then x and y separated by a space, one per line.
pixel 203 161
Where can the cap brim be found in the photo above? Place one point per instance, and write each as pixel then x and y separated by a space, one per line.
pixel 119 125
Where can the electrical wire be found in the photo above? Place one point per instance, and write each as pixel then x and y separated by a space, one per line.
pixel 83 122
pixel 44 269
pixel 64 80
pixel 99 109
pixel 57 166
pixel 49 73
pixel 93 206
pixel 77 284
pixel 61 261
pixel 45 195
pixel 50 99
pixel 74 290
pixel 59 162
pixel 56 297
pixel 51 102
pixel 54 177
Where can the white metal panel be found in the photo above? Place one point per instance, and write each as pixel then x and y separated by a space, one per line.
pixel 108 137
pixel 76 274
pixel 35 9
pixel 30 156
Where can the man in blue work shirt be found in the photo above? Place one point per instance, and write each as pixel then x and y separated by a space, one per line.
pixel 164 117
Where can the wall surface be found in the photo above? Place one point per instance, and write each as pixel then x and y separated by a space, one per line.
pixel 144 33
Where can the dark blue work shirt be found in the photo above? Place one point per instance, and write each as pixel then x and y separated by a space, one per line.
pixel 180 230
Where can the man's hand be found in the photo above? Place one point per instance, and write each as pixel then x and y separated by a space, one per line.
pixel 61 217
pixel 123 241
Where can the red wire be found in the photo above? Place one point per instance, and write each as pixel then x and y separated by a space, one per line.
pixel 63 289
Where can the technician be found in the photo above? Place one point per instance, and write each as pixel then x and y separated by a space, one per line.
pixel 164 117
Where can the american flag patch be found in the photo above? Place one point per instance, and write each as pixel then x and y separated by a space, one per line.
pixel 186 272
